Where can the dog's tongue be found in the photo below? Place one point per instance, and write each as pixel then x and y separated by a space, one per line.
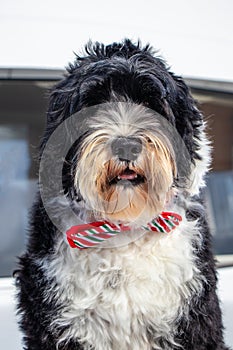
pixel 127 175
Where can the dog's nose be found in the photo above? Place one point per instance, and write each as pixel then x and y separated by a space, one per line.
pixel 126 148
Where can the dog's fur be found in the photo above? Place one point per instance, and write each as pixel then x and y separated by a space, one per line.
pixel 154 292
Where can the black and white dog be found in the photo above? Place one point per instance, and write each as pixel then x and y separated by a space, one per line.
pixel 119 253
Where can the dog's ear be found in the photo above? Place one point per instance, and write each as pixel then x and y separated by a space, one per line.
pixel 188 118
pixel 63 101
pixel 64 98
pixel 191 126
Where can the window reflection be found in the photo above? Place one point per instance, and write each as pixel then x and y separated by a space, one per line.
pixel 22 115
pixel 16 192
pixel 220 204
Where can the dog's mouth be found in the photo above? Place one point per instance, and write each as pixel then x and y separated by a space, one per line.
pixel 127 177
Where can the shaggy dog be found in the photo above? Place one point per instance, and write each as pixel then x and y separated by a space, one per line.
pixel 119 252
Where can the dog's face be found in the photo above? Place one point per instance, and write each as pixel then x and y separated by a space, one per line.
pixel 143 142
pixel 126 167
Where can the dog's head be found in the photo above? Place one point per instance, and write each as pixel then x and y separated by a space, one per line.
pixel 142 142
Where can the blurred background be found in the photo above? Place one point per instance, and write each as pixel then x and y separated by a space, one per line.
pixel 39 38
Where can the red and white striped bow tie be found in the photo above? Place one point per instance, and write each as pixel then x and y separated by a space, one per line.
pixel 90 235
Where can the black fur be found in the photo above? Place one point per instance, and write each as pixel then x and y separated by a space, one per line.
pixel 136 73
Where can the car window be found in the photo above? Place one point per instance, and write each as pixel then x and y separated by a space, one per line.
pixel 22 119
pixel 218 110
pixel 22 116
pixel 220 196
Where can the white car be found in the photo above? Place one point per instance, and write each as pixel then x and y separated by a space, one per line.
pixel 44 35
pixel 10 337
pixel 226 297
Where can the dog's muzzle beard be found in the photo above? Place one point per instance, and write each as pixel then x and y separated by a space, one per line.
pixel 125 185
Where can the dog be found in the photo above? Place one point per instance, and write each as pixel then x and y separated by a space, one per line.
pixel 119 253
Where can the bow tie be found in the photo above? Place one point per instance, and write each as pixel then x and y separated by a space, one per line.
pixel 92 234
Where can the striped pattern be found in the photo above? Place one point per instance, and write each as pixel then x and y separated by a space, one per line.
pixel 90 235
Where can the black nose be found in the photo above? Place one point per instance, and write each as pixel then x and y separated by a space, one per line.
pixel 126 148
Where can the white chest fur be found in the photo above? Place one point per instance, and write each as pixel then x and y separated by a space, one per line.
pixel 113 297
